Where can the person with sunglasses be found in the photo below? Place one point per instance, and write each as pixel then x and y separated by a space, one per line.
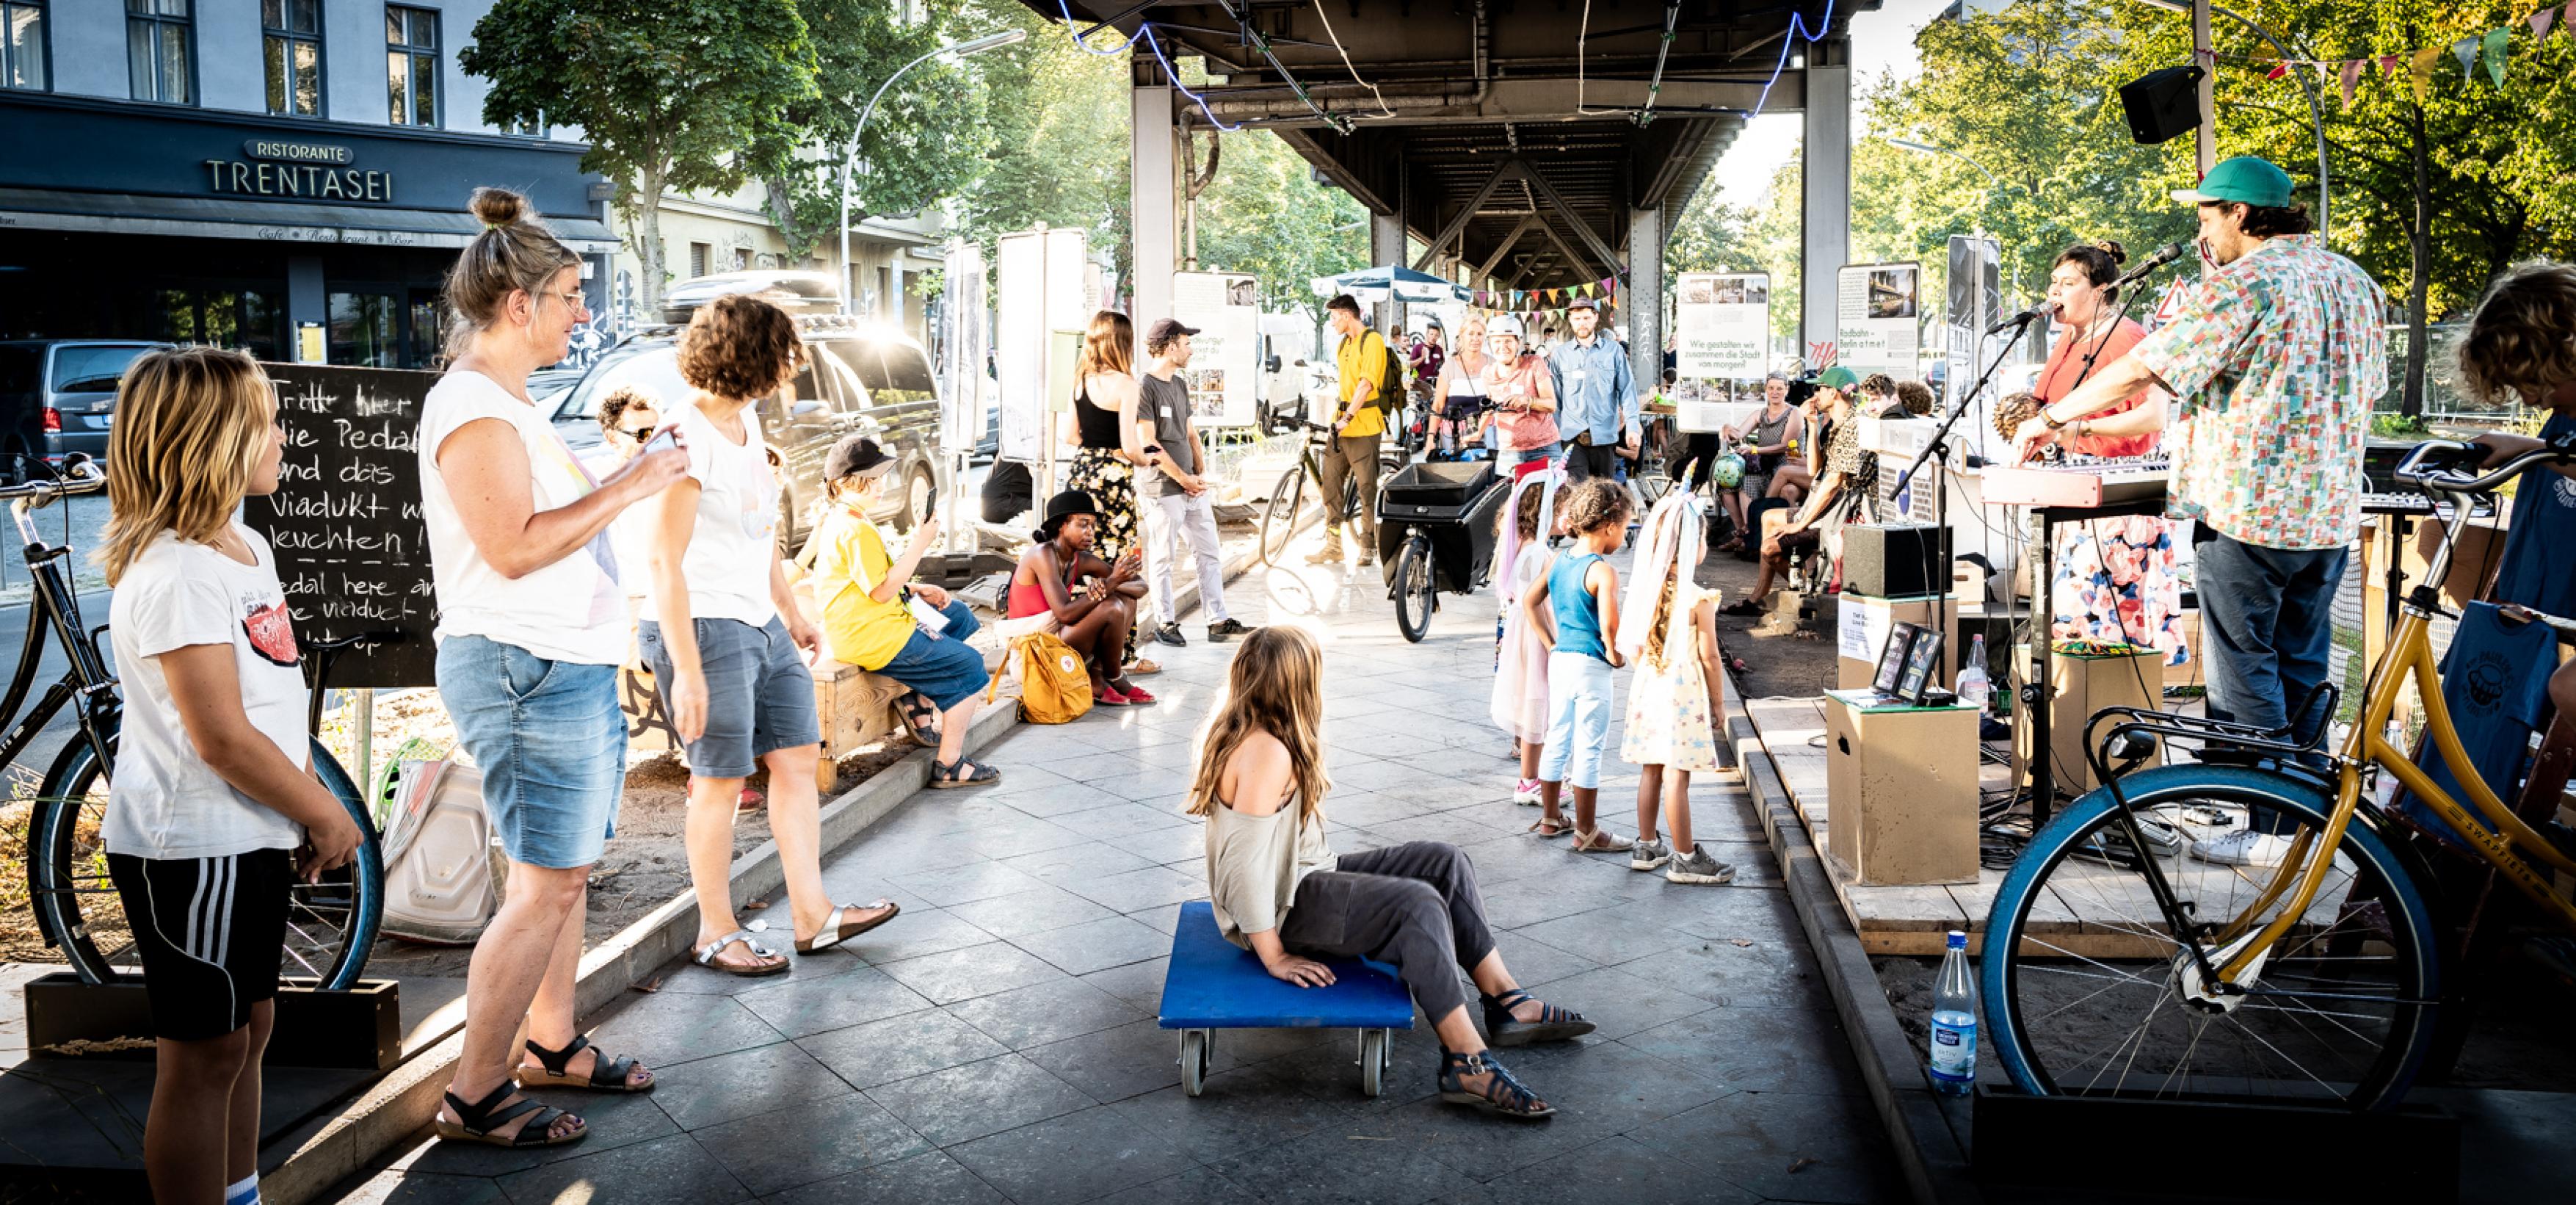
pixel 627 417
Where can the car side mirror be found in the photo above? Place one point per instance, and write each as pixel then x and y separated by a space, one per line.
pixel 1274 363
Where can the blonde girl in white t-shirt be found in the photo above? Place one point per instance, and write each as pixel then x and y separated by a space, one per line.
pixel 213 810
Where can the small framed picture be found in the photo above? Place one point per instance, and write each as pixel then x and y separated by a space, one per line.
pixel 1922 667
pixel 1891 657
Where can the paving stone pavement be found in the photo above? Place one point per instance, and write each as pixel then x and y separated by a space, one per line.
pixel 997 1042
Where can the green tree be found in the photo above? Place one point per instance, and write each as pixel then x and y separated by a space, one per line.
pixel 1766 236
pixel 672 94
pixel 1264 214
pixel 928 139
pixel 1059 139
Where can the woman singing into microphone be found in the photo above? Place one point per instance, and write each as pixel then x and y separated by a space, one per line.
pixel 2115 577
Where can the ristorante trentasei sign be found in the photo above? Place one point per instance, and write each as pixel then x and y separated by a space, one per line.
pixel 314 171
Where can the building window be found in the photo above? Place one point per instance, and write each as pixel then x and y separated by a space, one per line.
pixel 742 259
pixel 365 330
pixel 293 47
pixel 22 44
pixel 411 66
pixel 698 253
pixel 160 51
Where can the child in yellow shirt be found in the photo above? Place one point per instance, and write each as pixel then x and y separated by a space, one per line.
pixel 868 619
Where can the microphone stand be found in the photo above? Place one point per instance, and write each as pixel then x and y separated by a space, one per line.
pixel 1936 452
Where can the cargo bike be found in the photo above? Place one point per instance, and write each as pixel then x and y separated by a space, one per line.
pixel 1435 532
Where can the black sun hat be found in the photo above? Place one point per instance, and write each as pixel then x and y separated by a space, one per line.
pixel 1063 506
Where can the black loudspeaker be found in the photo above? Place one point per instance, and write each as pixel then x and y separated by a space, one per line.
pixel 1893 560
pixel 2162 104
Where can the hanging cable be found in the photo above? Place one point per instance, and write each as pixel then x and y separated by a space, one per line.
pixel 1155 44
pixel 1798 28
pixel 1346 57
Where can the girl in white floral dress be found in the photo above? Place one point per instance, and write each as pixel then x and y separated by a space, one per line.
pixel 1668 629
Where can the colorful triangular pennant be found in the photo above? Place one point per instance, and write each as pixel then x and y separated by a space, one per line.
pixel 2495 54
pixel 2351 78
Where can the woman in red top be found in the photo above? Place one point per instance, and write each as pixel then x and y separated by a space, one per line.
pixel 2115 577
pixel 1094 623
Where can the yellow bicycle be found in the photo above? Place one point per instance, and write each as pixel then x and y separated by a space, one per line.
pixel 2129 951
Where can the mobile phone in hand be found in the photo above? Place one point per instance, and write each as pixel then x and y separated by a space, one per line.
pixel 667 437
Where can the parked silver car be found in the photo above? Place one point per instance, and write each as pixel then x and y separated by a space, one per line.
pixel 58 396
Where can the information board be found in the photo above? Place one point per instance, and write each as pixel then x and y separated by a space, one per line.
pixel 1225 355
pixel 345 520
pixel 1723 327
pixel 1878 308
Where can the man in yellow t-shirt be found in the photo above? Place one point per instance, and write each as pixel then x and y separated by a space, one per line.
pixel 869 619
pixel 1358 426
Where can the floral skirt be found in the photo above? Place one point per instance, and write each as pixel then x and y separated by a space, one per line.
pixel 1111 482
pixel 2118 580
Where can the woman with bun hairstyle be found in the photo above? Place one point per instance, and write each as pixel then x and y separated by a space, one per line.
pixel 532 628
pixel 2115 577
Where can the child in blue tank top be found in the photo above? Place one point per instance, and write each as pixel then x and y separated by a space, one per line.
pixel 1573 608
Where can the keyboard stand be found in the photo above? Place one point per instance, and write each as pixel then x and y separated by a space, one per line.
pixel 2043 616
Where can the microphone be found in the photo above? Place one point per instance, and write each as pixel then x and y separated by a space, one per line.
pixel 2163 255
pixel 2045 309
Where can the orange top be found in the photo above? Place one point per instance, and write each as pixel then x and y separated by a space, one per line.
pixel 2066 364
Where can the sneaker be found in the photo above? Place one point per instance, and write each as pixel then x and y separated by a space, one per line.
pixel 1219 633
pixel 2244 847
pixel 1525 792
pixel 1170 634
pixel 1697 867
pixel 1649 853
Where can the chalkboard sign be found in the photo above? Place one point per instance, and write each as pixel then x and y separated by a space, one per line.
pixel 345 520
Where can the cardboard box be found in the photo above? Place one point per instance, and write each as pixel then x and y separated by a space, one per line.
pixel 2080 687
pixel 1863 624
pixel 1901 792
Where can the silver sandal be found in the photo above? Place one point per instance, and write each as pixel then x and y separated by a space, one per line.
pixel 705 955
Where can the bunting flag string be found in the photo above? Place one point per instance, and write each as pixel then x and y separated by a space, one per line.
pixel 2490 49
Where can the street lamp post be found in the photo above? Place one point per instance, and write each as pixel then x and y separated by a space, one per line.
pixel 959 50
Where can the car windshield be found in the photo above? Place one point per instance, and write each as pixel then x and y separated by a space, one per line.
pixel 93 369
pixel 892 371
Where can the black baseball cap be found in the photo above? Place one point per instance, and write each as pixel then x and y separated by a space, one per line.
pixel 1165 330
pixel 855 456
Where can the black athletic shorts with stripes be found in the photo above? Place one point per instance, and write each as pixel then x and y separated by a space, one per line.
pixel 211 932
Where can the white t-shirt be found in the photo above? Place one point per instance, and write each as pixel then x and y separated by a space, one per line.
pixel 630 534
pixel 735 544
pixel 163 800
pixel 571 610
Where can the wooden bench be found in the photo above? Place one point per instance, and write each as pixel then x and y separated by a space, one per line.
pixel 1213 984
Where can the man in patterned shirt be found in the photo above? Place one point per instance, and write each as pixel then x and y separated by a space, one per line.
pixel 2276 360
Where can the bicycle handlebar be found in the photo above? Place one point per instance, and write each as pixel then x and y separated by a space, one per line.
pixel 81 475
pixel 2415 469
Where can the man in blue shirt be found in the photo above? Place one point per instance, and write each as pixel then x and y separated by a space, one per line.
pixel 1596 398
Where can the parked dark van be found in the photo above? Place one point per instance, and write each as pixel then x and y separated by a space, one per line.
pixel 58 396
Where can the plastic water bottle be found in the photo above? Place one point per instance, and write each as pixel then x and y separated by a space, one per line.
pixel 1972 675
pixel 1954 1022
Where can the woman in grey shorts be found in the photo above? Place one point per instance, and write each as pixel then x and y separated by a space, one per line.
pixel 727 644
pixel 1278 889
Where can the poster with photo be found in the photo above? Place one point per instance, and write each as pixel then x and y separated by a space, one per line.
pixel 1976 300
pixel 1876 323
pixel 1226 353
pixel 1724 327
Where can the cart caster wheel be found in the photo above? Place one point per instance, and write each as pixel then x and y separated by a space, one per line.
pixel 1194 1061
pixel 1373 1061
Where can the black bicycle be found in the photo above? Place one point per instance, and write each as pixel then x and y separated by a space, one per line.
pixel 1288 497
pixel 331 924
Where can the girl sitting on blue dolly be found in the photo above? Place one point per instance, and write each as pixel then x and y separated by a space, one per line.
pixel 1278 890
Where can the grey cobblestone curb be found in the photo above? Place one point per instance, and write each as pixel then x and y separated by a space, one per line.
pixel 1928 1148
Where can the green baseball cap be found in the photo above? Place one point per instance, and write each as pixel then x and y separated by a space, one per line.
pixel 1837 377
pixel 2243 180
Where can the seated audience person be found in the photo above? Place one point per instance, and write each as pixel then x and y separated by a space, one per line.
pixel 1095 624
pixel 726 640
pixel 1848 475
pixel 1279 891
pixel 1764 441
pixel 2521 345
pixel 867 599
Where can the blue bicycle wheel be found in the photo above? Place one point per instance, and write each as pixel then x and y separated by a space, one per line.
pixel 331 924
pixel 2089 990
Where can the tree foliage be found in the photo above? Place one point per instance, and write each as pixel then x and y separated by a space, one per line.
pixel 671 94
pixel 1264 214
pixel 928 139
pixel 1059 139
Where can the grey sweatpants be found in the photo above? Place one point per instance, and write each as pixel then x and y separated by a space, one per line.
pixel 1414 905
